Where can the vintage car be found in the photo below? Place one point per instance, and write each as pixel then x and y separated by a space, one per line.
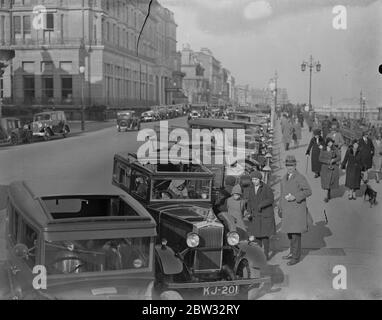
pixel 197 254
pixel 11 131
pixel 194 115
pixel 127 120
pixel 49 124
pixel 87 242
pixel 148 116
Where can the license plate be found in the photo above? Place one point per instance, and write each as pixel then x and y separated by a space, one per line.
pixel 221 291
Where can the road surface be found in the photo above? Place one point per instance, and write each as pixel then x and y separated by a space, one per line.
pixel 352 237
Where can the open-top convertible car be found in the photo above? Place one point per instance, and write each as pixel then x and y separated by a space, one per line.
pixel 90 242
pixel 197 255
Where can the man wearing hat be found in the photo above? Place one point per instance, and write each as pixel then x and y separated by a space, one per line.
pixel 294 191
pixel 367 150
pixel 314 148
pixel 336 136
pixel 261 223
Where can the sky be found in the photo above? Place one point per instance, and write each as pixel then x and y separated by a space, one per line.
pixel 254 38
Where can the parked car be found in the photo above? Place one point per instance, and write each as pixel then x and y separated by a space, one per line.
pixel 93 242
pixel 197 255
pixel 148 116
pixel 49 124
pixel 11 131
pixel 128 120
pixel 194 115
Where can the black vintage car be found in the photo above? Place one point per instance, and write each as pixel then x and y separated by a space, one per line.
pixel 197 255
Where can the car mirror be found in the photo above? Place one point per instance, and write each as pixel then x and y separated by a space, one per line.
pixel 21 251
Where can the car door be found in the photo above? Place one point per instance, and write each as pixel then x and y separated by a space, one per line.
pixel 20 270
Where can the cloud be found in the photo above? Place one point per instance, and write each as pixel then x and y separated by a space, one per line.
pixel 257 10
pixel 230 17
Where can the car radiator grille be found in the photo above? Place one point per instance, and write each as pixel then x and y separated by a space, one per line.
pixel 209 259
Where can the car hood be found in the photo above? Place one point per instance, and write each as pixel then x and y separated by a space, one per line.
pixel 117 288
pixel 189 212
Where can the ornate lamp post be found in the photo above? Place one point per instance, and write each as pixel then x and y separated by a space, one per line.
pixel 311 65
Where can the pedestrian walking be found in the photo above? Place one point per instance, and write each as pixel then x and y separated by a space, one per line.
pixel 314 149
pixel 300 118
pixel 367 153
pixel 309 122
pixel 294 191
pixel 377 159
pixel 325 127
pixel 261 223
pixel 297 135
pixel 336 136
pixel 353 165
pixel 330 158
pixel 287 132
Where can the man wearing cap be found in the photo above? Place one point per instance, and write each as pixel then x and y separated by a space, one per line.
pixel 294 191
pixel 314 148
pixel 366 148
pixel 336 136
pixel 261 223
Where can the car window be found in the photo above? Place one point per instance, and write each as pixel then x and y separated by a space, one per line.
pixel 13 223
pixel 54 117
pixel 139 184
pixel 122 175
pixel 42 117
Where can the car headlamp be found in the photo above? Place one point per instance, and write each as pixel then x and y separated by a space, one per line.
pixel 233 238
pixel 138 263
pixel 193 240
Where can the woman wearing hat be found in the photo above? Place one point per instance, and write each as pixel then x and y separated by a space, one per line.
pixel 353 165
pixel 294 191
pixel 314 148
pixel 236 209
pixel 261 223
pixel 330 158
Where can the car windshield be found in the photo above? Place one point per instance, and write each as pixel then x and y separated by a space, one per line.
pixel 93 255
pixel 179 190
pixel 41 117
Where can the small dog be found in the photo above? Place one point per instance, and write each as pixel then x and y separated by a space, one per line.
pixel 372 194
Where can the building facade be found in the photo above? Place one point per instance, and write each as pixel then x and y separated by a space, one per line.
pixel 69 52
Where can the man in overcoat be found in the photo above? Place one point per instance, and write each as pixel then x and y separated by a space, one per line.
pixel 261 214
pixel 287 132
pixel 366 148
pixel 314 148
pixel 294 191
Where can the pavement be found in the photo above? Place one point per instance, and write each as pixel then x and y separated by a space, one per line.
pixel 352 237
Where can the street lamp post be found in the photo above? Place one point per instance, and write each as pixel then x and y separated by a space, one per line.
pixel 311 65
pixel 273 88
pixel 82 72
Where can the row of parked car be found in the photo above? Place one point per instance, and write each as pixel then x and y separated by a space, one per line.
pixel 153 233
pixel 45 125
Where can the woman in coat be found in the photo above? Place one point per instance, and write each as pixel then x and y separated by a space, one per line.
pixel 297 135
pixel 314 149
pixel 261 214
pixel 353 164
pixel 330 158
pixel 378 156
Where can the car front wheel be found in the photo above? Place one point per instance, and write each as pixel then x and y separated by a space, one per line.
pixel 245 271
pixel 14 140
pixel 48 134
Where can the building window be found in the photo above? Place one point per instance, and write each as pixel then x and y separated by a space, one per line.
pixel 67 88
pixel 27 27
pixel 47 88
pixel 47 66
pixel 49 22
pixel 29 89
pixel 17 27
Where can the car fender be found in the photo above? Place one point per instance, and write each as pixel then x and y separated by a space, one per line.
pixel 170 263
pixel 253 254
